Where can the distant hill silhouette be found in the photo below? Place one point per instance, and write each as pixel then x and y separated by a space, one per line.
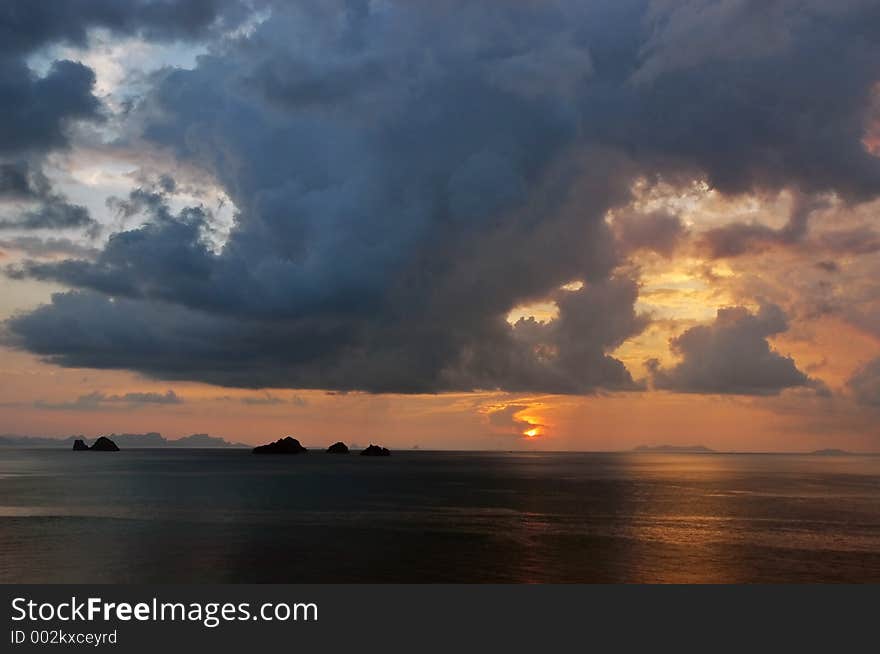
pixel 338 448
pixel 14 440
pixel 675 449
pixel 147 440
pixel 831 451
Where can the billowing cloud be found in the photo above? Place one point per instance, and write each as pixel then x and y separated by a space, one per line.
pixel 406 174
pixel 35 111
pixel 732 356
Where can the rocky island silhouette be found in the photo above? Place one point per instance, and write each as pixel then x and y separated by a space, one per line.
pixel 286 445
pixel 103 444
pixel 376 450
pixel 290 445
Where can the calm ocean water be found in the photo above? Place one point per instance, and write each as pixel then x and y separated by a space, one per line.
pixel 230 516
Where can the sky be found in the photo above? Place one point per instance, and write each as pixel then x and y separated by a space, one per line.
pixel 552 225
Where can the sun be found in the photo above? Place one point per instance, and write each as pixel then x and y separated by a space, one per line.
pixel 534 432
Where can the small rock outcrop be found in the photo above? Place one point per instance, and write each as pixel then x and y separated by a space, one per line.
pixel 286 445
pixel 79 445
pixel 103 444
pixel 338 448
pixel 376 450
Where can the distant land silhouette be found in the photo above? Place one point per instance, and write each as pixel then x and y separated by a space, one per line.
pixel 148 440
pixel 675 449
pixel 831 451
pixel 338 448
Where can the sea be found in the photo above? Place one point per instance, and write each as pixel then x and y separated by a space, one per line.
pixel 228 516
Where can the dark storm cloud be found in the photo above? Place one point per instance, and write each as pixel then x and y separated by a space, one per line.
pixel 406 174
pixel 26 25
pixel 732 356
pixel 35 111
pixel 865 383
pixel 758 95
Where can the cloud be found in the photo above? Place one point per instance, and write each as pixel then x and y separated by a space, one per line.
pixel 37 110
pixel 26 26
pixel 41 248
pixel 52 215
pixel 730 87
pixel 505 420
pixel 732 356
pixel 35 204
pixel 865 383
pixel 97 399
pixel 405 175
pixel 855 241
pixel 273 400
pixel 736 239
pixel 658 231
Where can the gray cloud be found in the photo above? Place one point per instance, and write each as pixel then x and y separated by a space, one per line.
pixel 97 399
pixel 273 400
pixel 36 205
pixel 732 356
pixel 406 175
pixel 35 111
pixel 41 248
pixel 865 383
pixel 736 239
pixel 859 240
pixel 657 231
pixel 26 26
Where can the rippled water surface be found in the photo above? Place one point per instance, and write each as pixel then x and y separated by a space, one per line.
pixel 230 516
